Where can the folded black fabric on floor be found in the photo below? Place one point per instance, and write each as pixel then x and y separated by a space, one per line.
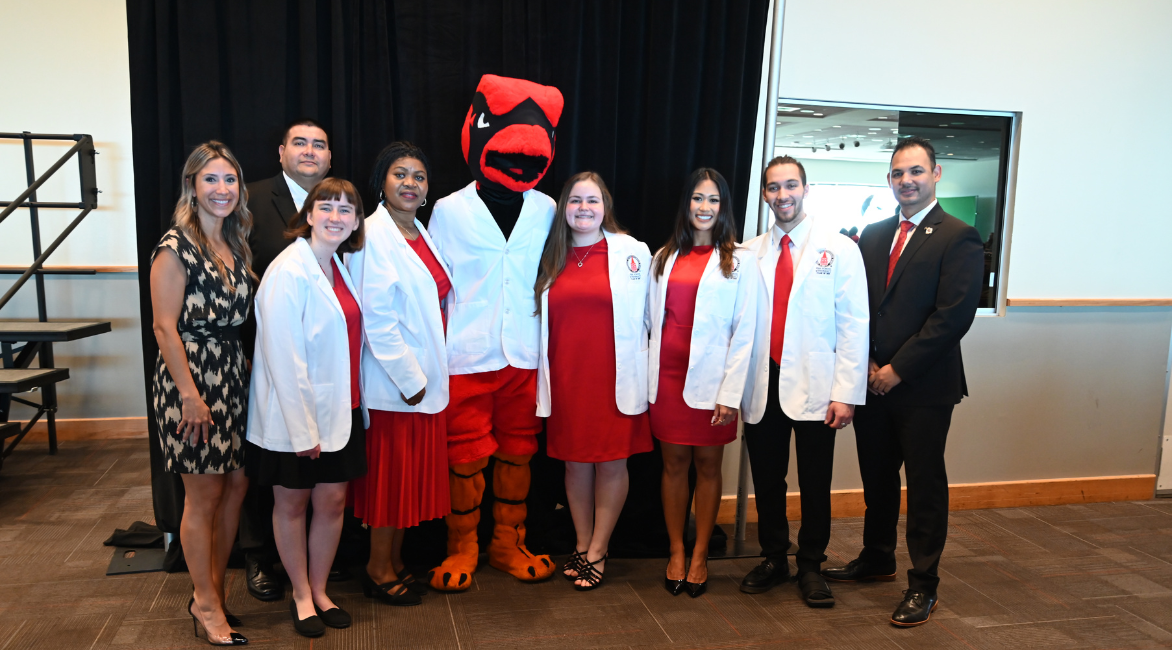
pixel 139 535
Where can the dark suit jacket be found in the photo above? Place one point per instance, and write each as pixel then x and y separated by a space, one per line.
pixel 918 319
pixel 272 209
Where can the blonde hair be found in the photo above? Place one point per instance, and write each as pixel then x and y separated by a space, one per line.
pixel 237 225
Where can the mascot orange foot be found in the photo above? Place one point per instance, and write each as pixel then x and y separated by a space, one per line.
pixel 506 552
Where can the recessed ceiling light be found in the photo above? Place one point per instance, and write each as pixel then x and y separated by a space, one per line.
pixel 876 139
pixel 882 117
pixel 787 109
pixel 950 136
pixel 873 128
pixel 837 126
pixel 806 110
pixel 818 114
pixel 948 154
pixel 943 125
pixel 807 136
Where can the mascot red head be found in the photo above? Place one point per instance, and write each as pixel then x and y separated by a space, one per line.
pixel 508 136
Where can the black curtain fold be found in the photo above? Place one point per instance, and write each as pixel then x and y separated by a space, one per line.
pixel 653 90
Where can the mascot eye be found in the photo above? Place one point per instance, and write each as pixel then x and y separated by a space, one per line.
pixel 481 124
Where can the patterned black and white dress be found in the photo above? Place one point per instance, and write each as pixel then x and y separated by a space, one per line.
pixel 209 326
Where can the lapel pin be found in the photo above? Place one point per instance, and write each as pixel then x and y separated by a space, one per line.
pixel 928 230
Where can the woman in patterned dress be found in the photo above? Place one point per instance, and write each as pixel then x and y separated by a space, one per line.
pixel 201 289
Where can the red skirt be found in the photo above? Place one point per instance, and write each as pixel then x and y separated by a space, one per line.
pixel 407 470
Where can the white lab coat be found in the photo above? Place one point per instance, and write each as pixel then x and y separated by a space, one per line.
pixel 628 263
pixel 824 351
pixel 300 393
pixel 491 323
pixel 722 332
pixel 405 349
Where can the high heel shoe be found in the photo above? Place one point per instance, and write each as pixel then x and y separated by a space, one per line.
pixel 233 639
pixel 574 563
pixel 696 589
pixel 676 587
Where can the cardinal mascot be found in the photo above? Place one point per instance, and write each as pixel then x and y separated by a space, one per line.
pixel 491 235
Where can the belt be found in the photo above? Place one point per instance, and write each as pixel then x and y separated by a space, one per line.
pixel 213 333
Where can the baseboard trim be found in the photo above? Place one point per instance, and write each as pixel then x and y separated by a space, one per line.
pixel 977 496
pixel 91 429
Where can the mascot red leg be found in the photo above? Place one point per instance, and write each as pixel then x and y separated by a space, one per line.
pixel 491 235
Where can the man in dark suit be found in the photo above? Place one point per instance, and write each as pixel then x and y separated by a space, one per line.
pixel 305 160
pixel 924 270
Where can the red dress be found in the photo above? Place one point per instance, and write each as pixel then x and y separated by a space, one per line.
pixel 353 332
pixel 672 420
pixel 585 424
pixel 406 452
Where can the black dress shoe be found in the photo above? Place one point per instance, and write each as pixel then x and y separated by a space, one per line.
pixel 916 609
pixel 765 576
pixel 859 571
pixel 311 627
pixel 262 584
pixel 815 591
pixel 334 617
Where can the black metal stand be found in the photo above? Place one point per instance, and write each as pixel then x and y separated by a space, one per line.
pixel 22 342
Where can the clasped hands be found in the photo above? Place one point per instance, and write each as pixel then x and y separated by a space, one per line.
pixel 880 381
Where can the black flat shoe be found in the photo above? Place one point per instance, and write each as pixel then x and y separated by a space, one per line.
pixel 262 584
pixel 916 609
pixel 403 598
pixel 815 591
pixel 233 638
pixel 696 589
pixel 859 571
pixel 409 581
pixel 334 617
pixel 311 627
pixel 765 576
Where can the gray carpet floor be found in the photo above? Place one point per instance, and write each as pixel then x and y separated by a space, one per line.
pixel 1076 576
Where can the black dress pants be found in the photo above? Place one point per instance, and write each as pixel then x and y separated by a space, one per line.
pixel 255 535
pixel 889 436
pixel 768 443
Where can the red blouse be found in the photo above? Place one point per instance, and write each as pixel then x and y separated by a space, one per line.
pixel 442 283
pixel 353 332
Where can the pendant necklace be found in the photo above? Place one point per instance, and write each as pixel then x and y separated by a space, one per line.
pixel 583 258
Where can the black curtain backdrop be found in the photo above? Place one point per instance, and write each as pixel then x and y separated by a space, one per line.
pixel 653 90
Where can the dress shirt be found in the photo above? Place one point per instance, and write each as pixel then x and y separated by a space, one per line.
pixel 299 193
pixel 797 242
pixel 915 219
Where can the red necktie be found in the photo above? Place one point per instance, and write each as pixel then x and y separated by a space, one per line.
pixel 783 282
pixel 904 226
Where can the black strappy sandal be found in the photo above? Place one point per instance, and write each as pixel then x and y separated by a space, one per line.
pixel 590 574
pixel 577 559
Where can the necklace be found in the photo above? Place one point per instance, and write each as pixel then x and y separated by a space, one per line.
pixel 583 258
pixel 407 233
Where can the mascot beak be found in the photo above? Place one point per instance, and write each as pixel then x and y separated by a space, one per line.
pixel 517 156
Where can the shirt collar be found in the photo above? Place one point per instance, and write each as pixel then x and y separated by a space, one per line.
pixel 299 193
pixel 798 235
pixel 919 216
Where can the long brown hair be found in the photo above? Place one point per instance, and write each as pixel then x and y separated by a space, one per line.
pixel 236 226
pixel 724 232
pixel 560 239
pixel 330 189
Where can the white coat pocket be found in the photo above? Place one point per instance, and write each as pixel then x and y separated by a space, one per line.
pixel 470 337
pixel 821 378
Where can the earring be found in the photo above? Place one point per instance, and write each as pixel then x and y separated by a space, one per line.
pixel 424 202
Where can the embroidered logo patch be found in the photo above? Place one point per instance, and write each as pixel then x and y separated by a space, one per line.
pixel 824 263
pixel 634 266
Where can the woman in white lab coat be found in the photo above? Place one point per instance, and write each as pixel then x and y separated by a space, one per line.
pixel 305 421
pixel 404 287
pixel 703 313
pixel 592 378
